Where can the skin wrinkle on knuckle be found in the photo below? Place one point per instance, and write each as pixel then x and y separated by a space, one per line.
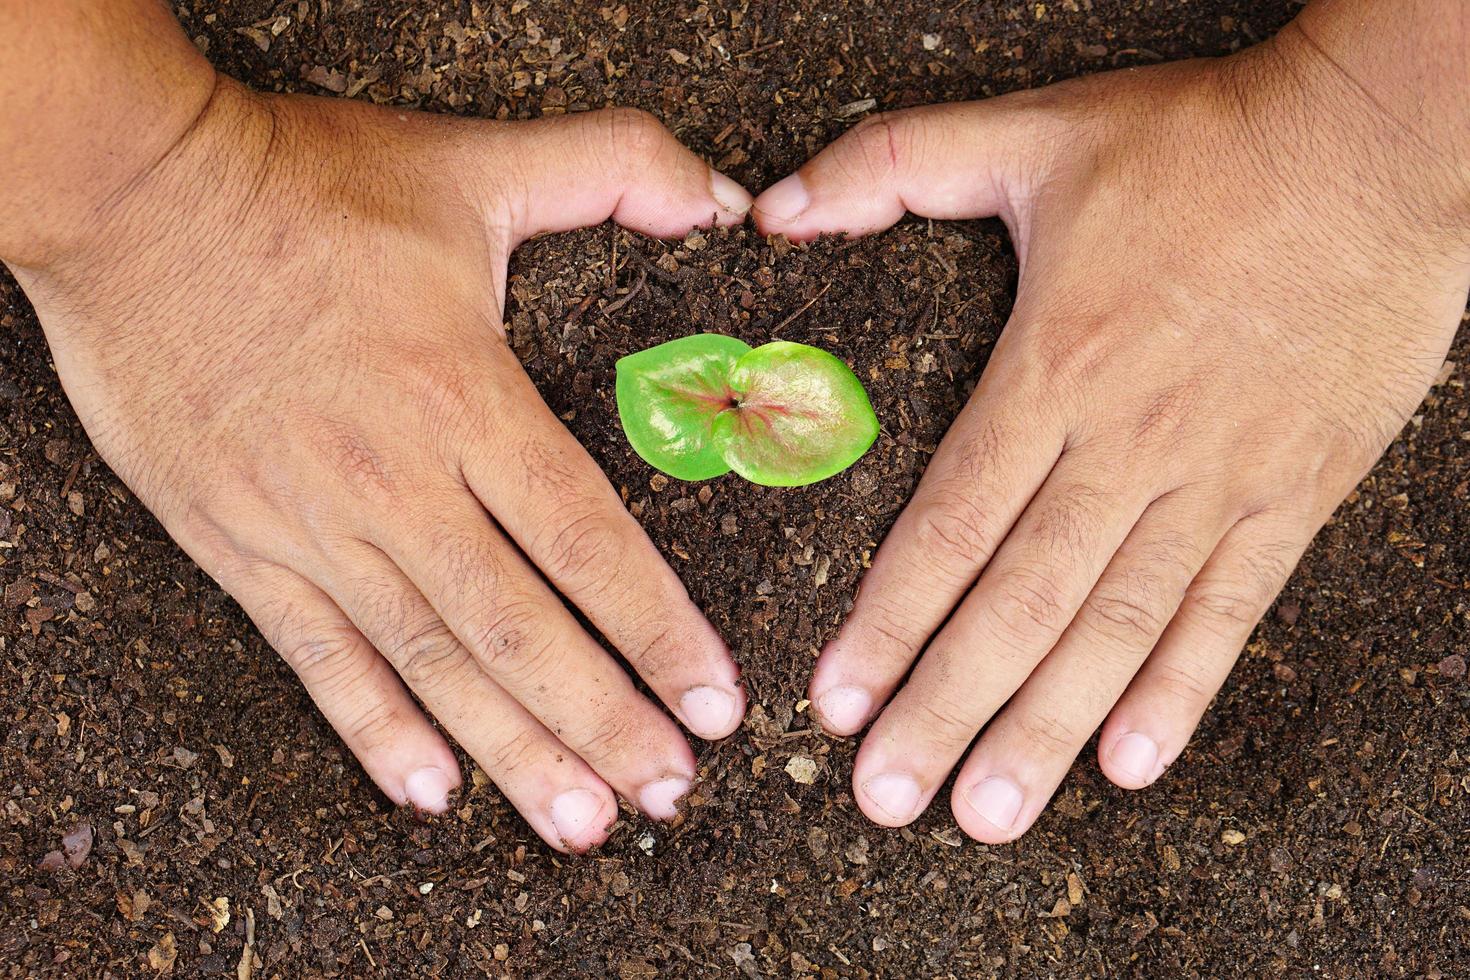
pixel 634 138
pixel 583 551
pixel 510 640
pixel 352 456
pixel 521 750
pixel 324 658
pixel 872 149
pixel 607 735
pixel 942 723
pixel 1225 609
pixel 374 725
pixel 1127 616
pixel 1181 682
pixel 950 524
pixel 1047 736
pixel 1067 526
pixel 1029 604
pixel 891 631
pixel 1162 424
pixel 428 658
pixel 662 650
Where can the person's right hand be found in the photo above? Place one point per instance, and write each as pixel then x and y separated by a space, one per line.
pixel 286 338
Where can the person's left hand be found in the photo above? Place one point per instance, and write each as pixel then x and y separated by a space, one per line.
pixel 1238 280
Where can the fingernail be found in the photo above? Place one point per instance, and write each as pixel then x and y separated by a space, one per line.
pixel 428 789
pixel 660 799
pixel 784 200
pixel 728 194
pixel 573 813
pixel 708 711
pixel 895 794
pixel 997 799
pixel 844 708
pixel 1136 755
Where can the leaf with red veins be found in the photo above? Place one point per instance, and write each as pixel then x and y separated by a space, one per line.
pixel 802 416
pixel 669 397
pixel 783 414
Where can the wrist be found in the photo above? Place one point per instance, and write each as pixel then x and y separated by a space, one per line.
pixel 1332 141
pixel 92 97
pixel 1399 75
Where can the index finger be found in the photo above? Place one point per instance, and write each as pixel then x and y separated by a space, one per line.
pixel 552 499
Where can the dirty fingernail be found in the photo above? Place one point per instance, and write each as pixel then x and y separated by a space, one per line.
pixel 428 789
pixel 1136 755
pixel 728 194
pixel 845 708
pixel 660 799
pixel 784 200
pixel 708 711
pixel 998 800
pixel 574 813
pixel 895 793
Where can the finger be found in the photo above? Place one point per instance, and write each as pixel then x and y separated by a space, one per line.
pixel 566 172
pixel 355 688
pixel 552 499
pixel 1023 754
pixel 1155 717
pixel 1023 601
pixel 525 640
pixel 986 470
pixel 961 160
pixel 364 699
pixel 558 793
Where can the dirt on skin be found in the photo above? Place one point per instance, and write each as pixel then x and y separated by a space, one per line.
pixel 1316 825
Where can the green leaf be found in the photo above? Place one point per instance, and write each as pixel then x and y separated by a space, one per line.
pixel 802 416
pixel 669 397
pixel 781 415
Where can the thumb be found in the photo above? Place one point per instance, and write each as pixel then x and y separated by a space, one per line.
pixel 574 171
pixel 960 160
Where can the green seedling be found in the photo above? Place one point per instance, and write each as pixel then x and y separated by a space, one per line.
pixel 781 415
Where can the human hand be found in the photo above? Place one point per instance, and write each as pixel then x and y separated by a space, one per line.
pixel 1238 279
pixel 286 338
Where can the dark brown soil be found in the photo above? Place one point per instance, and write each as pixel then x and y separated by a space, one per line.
pixel 1316 825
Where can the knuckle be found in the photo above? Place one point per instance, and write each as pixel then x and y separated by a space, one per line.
pixel 944 721
pixel 890 627
pixel 951 525
pixel 1048 735
pixel 581 550
pixel 1164 414
pixel 1182 682
pixel 1074 518
pixel 658 653
pixel 636 137
pixel 375 725
pixel 425 657
pixel 607 735
pixel 876 146
pixel 1030 604
pixel 508 633
pixel 1226 605
pixel 325 656
pixel 518 752
pixel 1128 615
pixel 1074 352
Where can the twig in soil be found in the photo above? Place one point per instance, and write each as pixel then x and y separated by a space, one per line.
pixel 806 306
pixel 627 297
pixel 759 50
pixel 71 477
